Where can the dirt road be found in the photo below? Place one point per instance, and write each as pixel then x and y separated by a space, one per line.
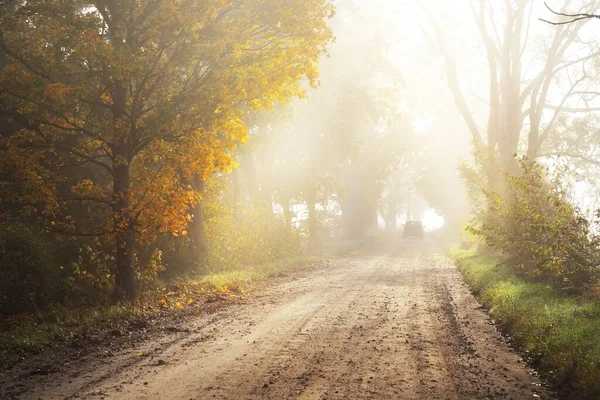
pixel 395 324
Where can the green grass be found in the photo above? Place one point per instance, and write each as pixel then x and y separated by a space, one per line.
pixel 560 334
pixel 243 278
pixel 25 334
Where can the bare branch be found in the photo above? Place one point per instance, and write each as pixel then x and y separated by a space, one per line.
pixel 559 109
pixel 573 17
pixel 452 78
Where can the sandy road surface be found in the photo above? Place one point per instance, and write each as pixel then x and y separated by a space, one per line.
pixel 395 324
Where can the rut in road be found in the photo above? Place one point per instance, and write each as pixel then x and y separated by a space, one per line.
pixel 395 324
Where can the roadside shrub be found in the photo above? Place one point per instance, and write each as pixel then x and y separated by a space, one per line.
pixel 149 265
pixel 558 333
pixel 527 217
pixel 248 237
pixel 237 234
pixel 29 273
pixel 39 269
pixel 89 277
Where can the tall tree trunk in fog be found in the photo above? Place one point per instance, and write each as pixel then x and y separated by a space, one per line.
pixel 125 277
pixel 260 195
pixel 510 53
pixel 266 189
pixel 197 233
pixel 359 207
pixel 235 191
pixel 374 218
pixel 247 163
pixel 391 214
pixel 349 217
pixel 288 215
pixel 311 203
pixel 124 222
pixel 439 43
pixel 357 216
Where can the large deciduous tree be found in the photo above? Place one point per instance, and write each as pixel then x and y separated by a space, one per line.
pixel 148 95
pixel 529 86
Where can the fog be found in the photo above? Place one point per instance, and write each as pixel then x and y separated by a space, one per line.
pixel 338 123
pixel 258 198
pixel 381 138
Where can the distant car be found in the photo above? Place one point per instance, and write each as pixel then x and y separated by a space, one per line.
pixel 413 229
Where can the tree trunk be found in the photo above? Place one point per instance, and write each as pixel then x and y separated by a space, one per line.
pixel 358 213
pixel 197 224
pixel 125 279
pixel 312 216
pixel 251 178
pixel 235 191
pixel 288 214
pixel 374 218
pixel 392 214
pixel 267 185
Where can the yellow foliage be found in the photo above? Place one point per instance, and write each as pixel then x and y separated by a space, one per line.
pixel 57 91
pixel 147 99
pixel 250 238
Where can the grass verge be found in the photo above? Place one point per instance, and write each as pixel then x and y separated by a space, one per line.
pixel 560 334
pixel 26 334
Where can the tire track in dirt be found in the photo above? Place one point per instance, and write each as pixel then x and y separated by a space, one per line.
pixel 398 323
pixel 288 370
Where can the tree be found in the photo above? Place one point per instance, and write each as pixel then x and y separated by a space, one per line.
pixel 149 94
pixel 342 144
pixel 518 100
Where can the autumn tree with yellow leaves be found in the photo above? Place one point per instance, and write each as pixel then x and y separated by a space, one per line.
pixel 122 108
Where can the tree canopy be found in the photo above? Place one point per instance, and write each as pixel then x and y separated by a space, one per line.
pixel 118 105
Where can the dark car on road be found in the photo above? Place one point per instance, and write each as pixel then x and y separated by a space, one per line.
pixel 413 229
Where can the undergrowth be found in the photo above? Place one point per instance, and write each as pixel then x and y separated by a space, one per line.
pixel 29 333
pixel 558 333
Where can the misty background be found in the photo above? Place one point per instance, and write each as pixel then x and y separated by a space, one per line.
pixel 380 141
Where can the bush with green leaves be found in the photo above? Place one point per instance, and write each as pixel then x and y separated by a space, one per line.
pixel 29 276
pixel 527 217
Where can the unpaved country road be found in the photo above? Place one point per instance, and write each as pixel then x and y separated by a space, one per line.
pixel 398 323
